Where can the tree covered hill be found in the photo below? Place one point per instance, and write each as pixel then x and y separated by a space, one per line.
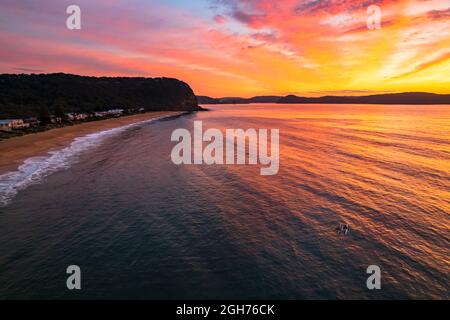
pixel 26 95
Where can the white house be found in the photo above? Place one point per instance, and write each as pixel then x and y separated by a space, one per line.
pixel 9 124
pixel 101 114
pixel 77 116
pixel 32 121
pixel 116 112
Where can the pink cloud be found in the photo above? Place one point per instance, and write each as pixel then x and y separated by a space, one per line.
pixel 245 45
pixel 219 19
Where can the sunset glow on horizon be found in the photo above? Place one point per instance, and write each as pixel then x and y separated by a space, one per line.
pixel 238 47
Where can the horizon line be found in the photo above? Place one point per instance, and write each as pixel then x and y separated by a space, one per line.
pixel 297 94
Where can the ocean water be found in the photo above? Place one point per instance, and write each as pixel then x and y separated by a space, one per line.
pixel 141 227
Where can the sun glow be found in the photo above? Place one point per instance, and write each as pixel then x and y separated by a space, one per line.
pixel 238 47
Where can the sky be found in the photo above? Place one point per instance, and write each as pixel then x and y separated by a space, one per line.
pixel 237 47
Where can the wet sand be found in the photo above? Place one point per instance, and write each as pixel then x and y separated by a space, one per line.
pixel 15 150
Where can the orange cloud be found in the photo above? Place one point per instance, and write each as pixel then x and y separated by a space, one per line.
pixel 238 47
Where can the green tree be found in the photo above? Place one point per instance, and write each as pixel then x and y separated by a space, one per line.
pixel 59 112
pixel 44 115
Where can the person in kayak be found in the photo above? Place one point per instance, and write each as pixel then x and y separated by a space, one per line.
pixel 343 228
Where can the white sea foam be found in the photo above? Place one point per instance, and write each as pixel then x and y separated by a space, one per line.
pixel 35 169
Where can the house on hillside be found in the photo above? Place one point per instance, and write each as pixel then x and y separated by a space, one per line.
pixel 13 124
pixel 101 114
pixel 77 116
pixel 55 119
pixel 115 112
pixel 82 116
pixel 32 121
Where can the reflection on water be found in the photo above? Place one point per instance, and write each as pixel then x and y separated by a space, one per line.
pixel 141 227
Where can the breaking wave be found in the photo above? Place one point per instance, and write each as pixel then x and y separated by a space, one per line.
pixel 35 169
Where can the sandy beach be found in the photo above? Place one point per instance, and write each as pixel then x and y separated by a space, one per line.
pixel 15 150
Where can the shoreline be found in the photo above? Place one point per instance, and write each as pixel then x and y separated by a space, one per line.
pixel 14 151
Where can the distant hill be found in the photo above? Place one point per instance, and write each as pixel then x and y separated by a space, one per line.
pixel 206 100
pixel 24 95
pixel 264 99
pixel 392 98
pixel 234 100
